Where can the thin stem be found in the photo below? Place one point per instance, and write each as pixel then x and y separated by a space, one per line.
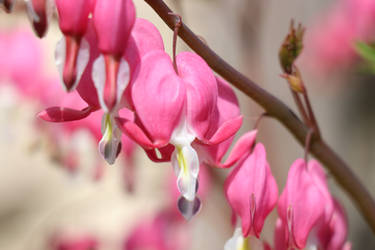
pixel 260 118
pixel 301 108
pixel 310 111
pixel 308 143
pixel 175 36
pixel 277 109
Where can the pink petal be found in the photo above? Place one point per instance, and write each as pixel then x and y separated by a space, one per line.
pixel 73 16
pixel 113 21
pixel 134 132
pixel 227 108
pixel 86 88
pixel 158 96
pixel 144 38
pixel 241 149
pixel 201 90
pixel 333 233
pixel 280 241
pixel 251 191
pixel 303 201
pixel 165 153
pixel 61 114
pixel 226 130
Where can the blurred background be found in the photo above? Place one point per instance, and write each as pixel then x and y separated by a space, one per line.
pixel 54 186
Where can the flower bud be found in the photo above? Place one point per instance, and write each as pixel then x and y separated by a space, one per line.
pixel 291 47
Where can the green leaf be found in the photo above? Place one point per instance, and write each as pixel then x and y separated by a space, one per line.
pixel 367 52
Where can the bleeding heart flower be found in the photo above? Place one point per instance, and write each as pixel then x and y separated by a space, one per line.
pixel 251 191
pixel 177 108
pixel 73 51
pixel 113 22
pixel 109 145
pixel 303 203
pixel 39 12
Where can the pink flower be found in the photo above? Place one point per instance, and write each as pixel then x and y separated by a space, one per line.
pixel 252 193
pixel 113 22
pixel 109 144
pixel 176 108
pixel 72 52
pixel 304 202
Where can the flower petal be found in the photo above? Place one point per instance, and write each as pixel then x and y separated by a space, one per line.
pixel 113 21
pixel 301 204
pixel 158 96
pixel 226 130
pixel 71 57
pixel 251 191
pixel 186 166
pixel 201 90
pixel 135 133
pixel 61 114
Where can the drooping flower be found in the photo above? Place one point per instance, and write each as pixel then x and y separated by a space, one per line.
pixel 113 22
pixel 109 145
pixel 252 193
pixel 176 108
pixel 304 202
pixel 73 51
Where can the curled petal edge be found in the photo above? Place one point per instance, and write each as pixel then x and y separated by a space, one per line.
pixel 62 114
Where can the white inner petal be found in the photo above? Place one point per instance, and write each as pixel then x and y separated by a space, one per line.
pixel 60 53
pixel 185 160
pixel 98 77
pixel 186 166
pixel 31 12
pixel 237 242
pixel 82 60
pixel 123 78
pixel 110 142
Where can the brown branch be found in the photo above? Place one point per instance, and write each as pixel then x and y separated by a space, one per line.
pixel 277 109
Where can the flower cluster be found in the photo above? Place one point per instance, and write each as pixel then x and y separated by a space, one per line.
pixel 178 111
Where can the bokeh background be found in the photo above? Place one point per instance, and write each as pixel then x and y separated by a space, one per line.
pixel 40 199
